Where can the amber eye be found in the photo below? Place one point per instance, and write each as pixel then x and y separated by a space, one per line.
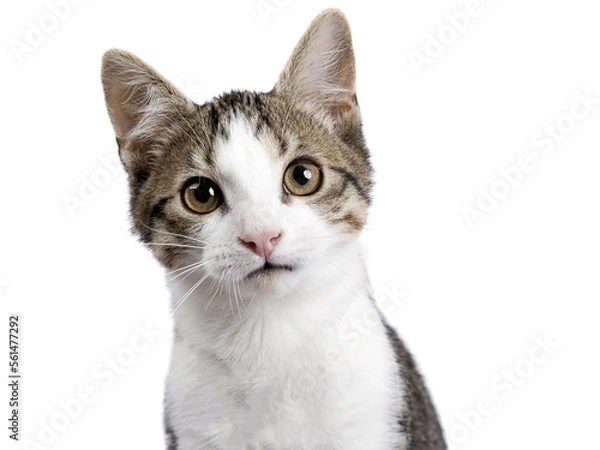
pixel 201 195
pixel 302 178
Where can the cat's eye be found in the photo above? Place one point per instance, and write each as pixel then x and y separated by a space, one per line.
pixel 201 195
pixel 302 178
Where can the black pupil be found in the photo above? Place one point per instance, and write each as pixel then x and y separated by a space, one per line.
pixel 205 191
pixel 301 175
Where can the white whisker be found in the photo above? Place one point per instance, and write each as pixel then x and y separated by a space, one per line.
pixel 168 244
pixel 168 233
pixel 188 293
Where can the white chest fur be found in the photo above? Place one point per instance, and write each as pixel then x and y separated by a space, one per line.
pixel 285 374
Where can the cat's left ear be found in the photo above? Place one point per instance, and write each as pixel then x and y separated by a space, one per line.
pixel 321 71
pixel 140 103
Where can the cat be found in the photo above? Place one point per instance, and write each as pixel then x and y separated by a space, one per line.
pixel 254 203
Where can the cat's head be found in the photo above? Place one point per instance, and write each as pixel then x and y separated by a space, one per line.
pixel 260 189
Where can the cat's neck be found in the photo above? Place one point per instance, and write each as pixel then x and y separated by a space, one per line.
pixel 235 325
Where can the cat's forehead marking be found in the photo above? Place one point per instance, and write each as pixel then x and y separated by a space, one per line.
pixel 247 162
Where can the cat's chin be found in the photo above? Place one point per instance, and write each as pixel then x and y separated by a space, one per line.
pixel 269 276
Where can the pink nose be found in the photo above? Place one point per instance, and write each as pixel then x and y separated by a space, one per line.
pixel 262 244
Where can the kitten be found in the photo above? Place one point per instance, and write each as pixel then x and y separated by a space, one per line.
pixel 254 203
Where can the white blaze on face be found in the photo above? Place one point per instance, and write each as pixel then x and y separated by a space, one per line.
pixel 250 174
pixel 250 178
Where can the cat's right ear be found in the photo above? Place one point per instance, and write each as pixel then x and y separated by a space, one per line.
pixel 321 71
pixel 140 103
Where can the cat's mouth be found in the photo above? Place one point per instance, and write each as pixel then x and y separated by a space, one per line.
pixel 269 268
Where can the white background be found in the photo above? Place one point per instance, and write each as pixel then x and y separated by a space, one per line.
pixel 471 303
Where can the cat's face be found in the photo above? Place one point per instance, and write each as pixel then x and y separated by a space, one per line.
pixel 257 190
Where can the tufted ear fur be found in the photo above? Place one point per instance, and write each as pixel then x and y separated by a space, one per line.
pixel 140 103
pixel 321 71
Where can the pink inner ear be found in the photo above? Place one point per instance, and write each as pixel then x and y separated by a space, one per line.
pixel 137 97
pixel 321 71
pixel 123 119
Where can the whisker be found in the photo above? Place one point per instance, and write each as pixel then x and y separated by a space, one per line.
pixel 188 293
pixel 167 244
pixel 168 233
pixel 240 301
pixel 212 286
pixel 169 272
pixel 229 298
pixel 186 273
